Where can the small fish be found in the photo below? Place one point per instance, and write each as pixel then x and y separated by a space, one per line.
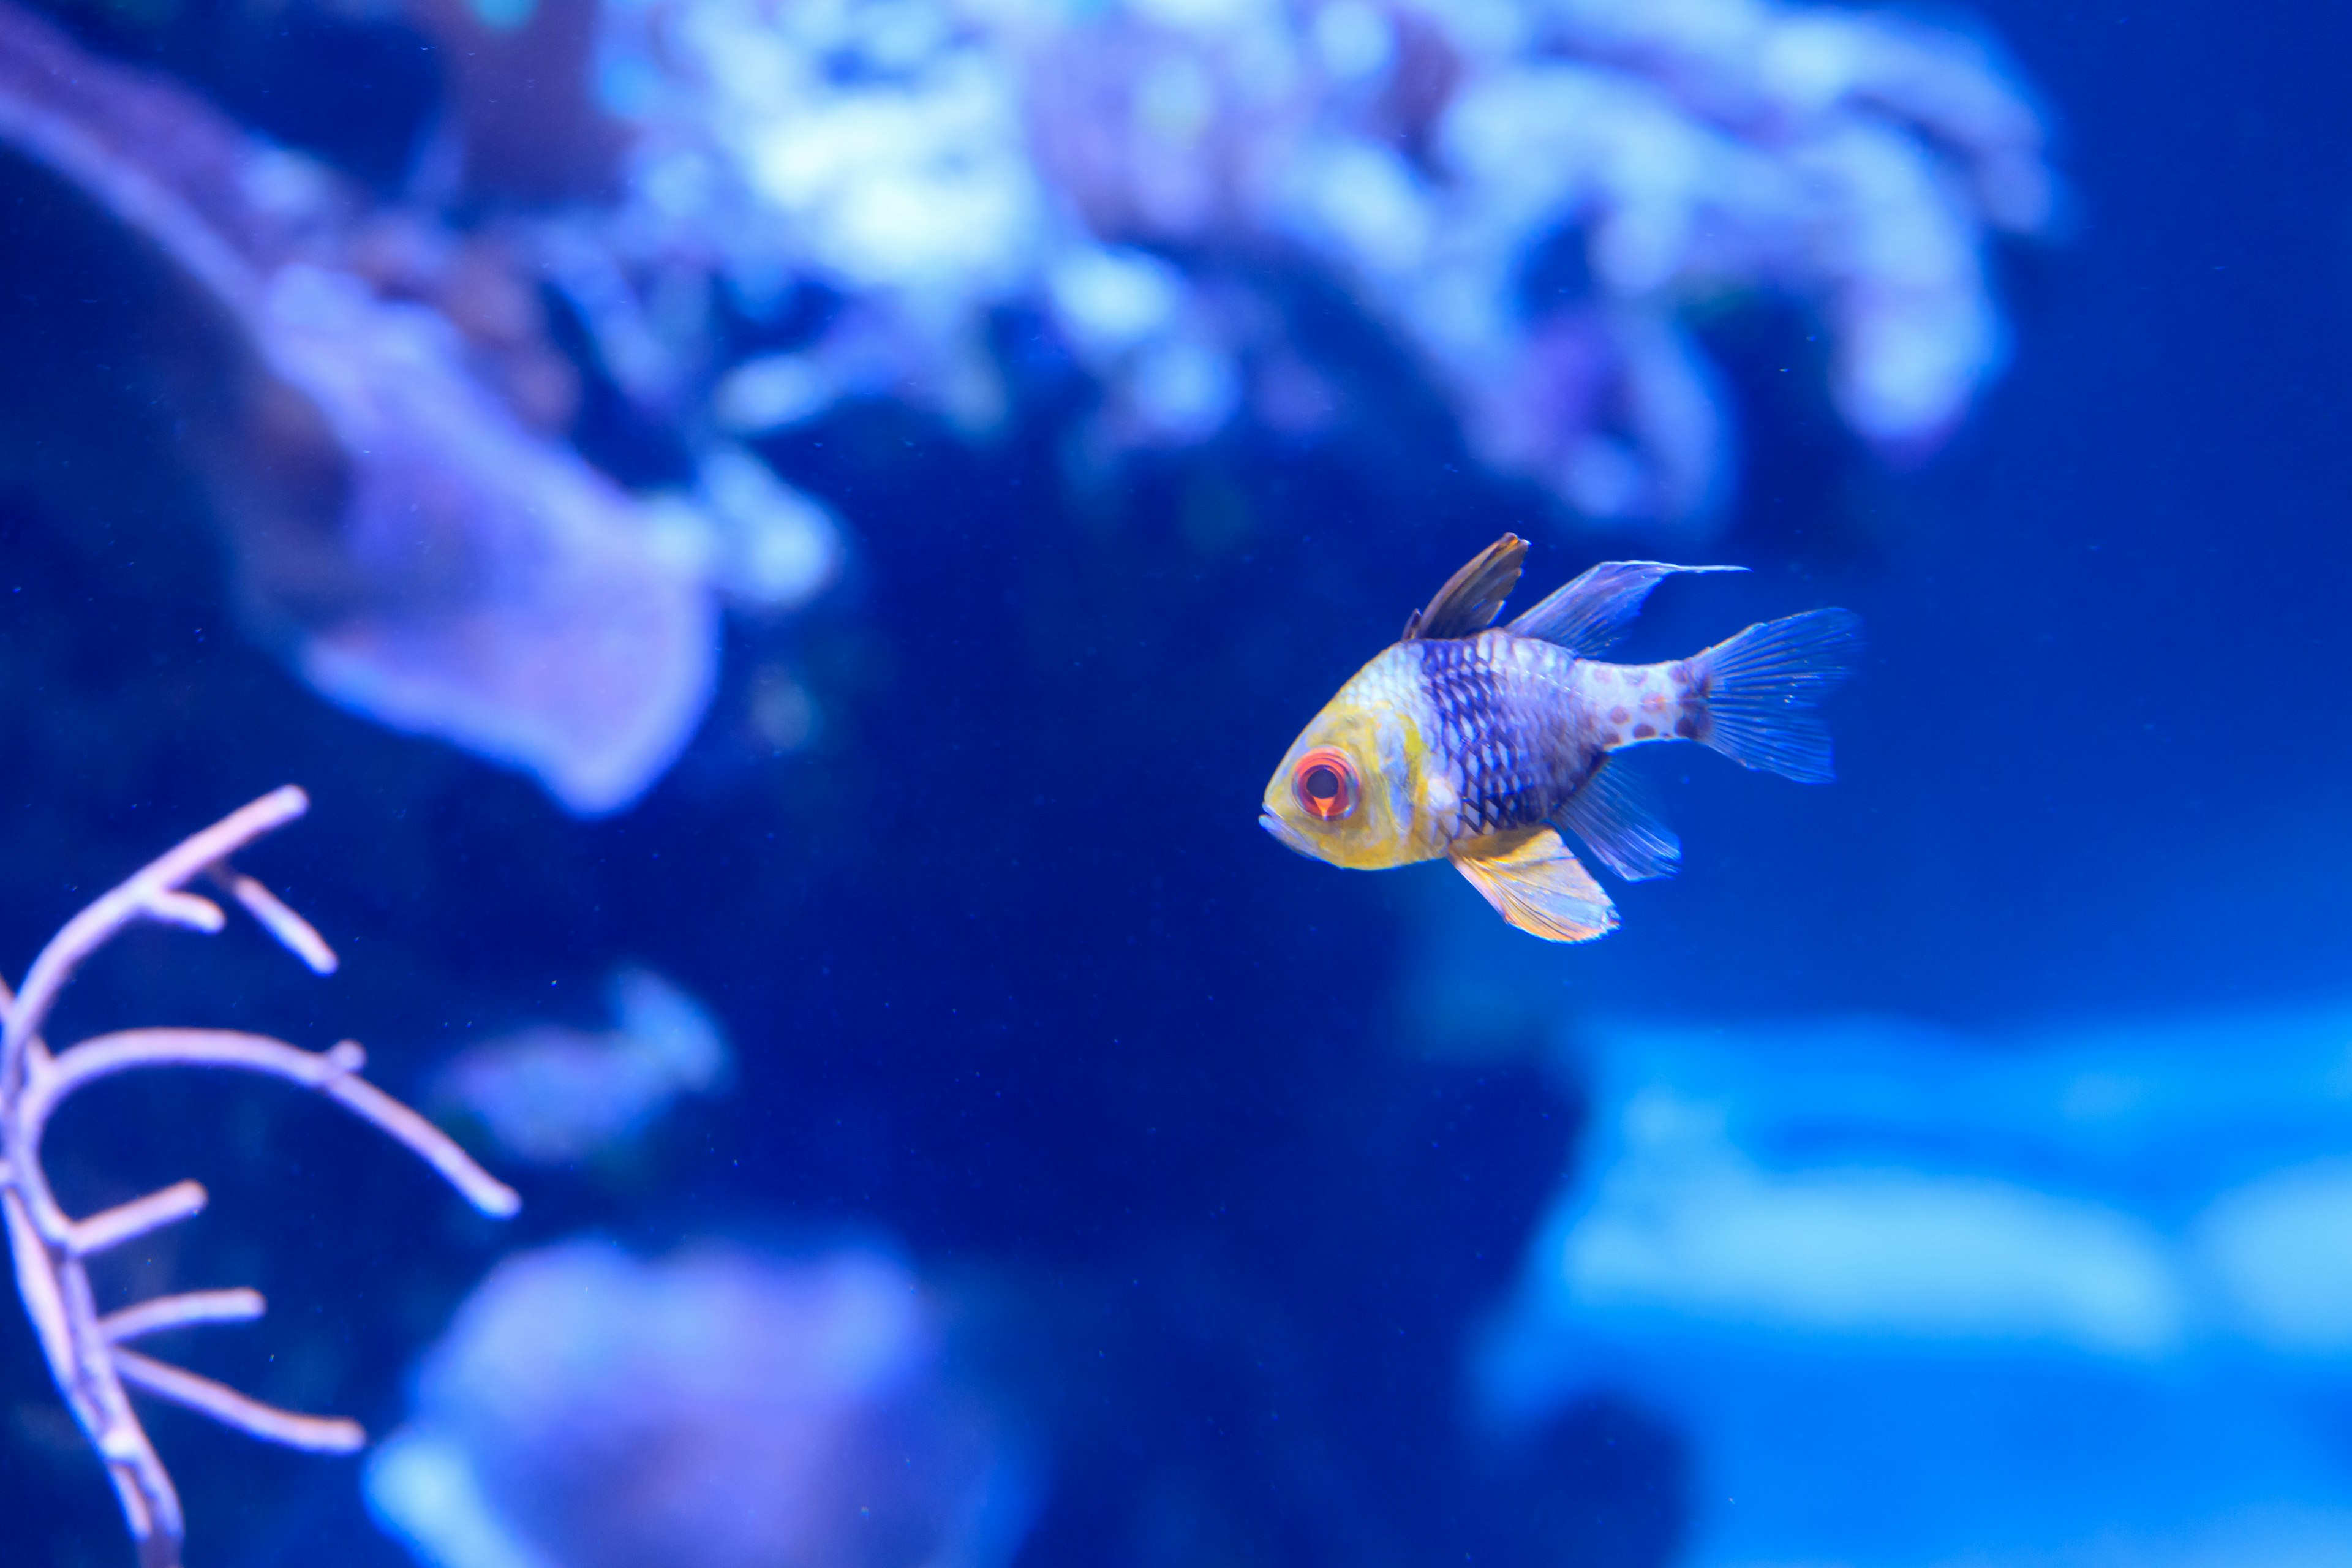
pixel 1482 743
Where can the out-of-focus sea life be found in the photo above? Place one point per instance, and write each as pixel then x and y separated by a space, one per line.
pixel 401 521
pixel 1535 200
pixel 555 1096
pixel 727 1407
pixel 88 1352
pixel 1482 743
pixel 1920 1299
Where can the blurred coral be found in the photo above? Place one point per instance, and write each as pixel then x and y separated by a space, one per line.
pixel 757 210
pixel 424 550
pixel 723 1407
pixel 88 1352
pixel 1534 198
pixel 556 1096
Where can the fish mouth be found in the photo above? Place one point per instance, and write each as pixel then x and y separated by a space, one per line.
pixel 1290 838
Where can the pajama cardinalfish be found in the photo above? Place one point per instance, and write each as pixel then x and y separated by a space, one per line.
pixel 1482 743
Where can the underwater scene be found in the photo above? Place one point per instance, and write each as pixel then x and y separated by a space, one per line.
pixel 1172 783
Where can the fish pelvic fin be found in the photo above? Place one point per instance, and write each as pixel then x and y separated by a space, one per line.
pixel 1536 882
pixel 1612 813
pixel 1586 615
pixel 1472 596
pixel 1756 691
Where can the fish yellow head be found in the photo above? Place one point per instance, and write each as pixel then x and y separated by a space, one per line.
pixel 1350 787
pixel 1360 787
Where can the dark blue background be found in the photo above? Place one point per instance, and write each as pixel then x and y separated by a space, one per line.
pixel 1010 971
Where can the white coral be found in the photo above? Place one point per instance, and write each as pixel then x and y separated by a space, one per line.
pixel 1117 167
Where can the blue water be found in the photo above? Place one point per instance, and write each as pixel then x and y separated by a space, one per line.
pixel 1223 1166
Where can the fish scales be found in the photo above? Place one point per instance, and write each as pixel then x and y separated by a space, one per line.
pixel 1486 744
pixel 1507 727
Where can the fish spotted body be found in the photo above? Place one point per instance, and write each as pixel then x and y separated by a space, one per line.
pixel 1481 744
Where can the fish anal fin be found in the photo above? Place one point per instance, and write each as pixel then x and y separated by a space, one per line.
pixel 1536 882
pixel 1472 596
pixel 1611 812
pixel 1588 613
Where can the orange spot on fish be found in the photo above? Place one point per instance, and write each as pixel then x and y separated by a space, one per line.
pixel 1645 732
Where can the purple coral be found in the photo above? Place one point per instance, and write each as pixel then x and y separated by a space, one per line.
pixel 86 1352
pixel 420 551
pixel 721 1407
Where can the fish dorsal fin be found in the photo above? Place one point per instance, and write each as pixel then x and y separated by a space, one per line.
pixel 1588 613
pixel 1611 813
pixel 1536 882
pixel 1472 596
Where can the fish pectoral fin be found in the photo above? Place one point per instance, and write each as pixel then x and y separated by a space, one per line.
pixel 1472 596
pixel 1536 882
pixel 1611 813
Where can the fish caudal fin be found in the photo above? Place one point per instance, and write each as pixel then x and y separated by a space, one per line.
pixel 1588 613
pixel 1537 883
pixel 1759 689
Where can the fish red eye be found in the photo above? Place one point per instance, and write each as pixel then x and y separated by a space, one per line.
pixel 1325 783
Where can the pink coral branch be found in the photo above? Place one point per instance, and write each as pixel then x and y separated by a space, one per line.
pixel 336 1071
pixel 127 1222
pixel 184 1310
pixel 55 1292
pixel 197 914
pixel 432 1145
pixel 297 934
pixel 320 1433
pixel 136 898
pixel 86 1351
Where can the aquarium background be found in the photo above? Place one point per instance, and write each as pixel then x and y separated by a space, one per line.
pixel 814 859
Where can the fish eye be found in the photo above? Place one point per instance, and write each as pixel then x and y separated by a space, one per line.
pixel 1325 783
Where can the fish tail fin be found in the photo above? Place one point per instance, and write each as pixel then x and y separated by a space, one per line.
pixel 1760 689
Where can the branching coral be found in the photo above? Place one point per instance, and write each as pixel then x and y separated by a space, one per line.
pixel 89 1352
